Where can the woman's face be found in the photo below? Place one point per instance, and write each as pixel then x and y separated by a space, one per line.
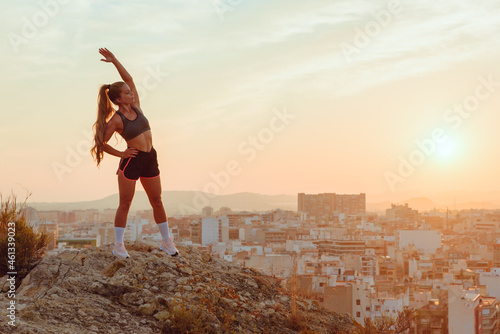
pixel 126 95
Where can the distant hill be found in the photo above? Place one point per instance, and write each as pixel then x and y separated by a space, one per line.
pixel 184 202
pixel 191 202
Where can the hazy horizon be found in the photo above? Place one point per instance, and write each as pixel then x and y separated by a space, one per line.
pixel 378 97
pixel 178 201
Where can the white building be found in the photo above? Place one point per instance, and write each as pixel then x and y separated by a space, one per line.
pixel 212 229
pixel 371 227
pixel 257 249
pixel 462 306
pixel 361 303
pixel 492 282
pixel 133 230
pixel 271 264
pixel 426 240
pixel 298 245
pixel 389 304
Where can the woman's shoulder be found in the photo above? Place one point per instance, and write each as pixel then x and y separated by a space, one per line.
pixel 115 120
pixel 116 116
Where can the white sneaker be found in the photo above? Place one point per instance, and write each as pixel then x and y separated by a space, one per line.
pixel 169 247
pixel 120 250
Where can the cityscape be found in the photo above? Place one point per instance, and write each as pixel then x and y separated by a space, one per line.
pixel 309 155
pixel 445 264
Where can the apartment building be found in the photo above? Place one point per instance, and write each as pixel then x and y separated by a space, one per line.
pixel 464 310
pixel 271 236
pixel 492 282
pixel 365 264
pixel 401 212
pixel 432 318
pixel 490 315
pixel 359 299
pixel 428 241
pixel 328 204
pixel 496 256
pixel 349 297
pixel 214 230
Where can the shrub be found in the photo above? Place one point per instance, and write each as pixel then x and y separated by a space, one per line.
pixel 30 245
pixel 386 324
pixel 184 318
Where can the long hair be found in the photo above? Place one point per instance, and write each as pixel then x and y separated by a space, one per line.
pixel 107 94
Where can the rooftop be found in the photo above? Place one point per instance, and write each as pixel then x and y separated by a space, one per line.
pixel 471 296
pixel 489 301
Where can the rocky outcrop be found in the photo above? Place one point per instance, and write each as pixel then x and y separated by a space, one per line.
pixel 91 291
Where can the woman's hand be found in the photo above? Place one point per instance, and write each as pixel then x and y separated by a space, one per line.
pixel 129 153
pixel 109 57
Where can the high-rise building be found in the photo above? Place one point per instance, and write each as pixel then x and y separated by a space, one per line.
pixel 496 256
pixel 319 205
pixel 214 230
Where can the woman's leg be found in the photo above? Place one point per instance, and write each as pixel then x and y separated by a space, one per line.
pixel 153 189
pixel 152 186
pixel 126 189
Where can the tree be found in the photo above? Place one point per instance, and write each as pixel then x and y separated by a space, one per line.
pixel 387 324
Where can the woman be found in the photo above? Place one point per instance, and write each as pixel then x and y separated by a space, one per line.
pixel 138 161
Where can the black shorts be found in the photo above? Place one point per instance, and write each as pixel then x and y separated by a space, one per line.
pixel 144 164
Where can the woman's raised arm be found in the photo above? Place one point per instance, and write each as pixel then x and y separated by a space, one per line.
pixel 109 57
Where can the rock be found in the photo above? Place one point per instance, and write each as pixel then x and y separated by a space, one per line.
pixel 162 300
pixel 251 283
pixel 4 284
pixel 163 315
pixel 132 299
pixel 186 270
pixel 90 291
pixel 147 309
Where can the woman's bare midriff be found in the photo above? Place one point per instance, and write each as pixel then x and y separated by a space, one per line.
pixel 143 142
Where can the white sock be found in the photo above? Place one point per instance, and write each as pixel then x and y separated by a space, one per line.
pixel 119 231
pixel 163 227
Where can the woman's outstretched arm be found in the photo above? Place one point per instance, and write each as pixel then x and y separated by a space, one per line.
pixel 109 57
pixel 111 127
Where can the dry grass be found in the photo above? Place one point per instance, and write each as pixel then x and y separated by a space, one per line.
pixel 184 318
pixel 18 240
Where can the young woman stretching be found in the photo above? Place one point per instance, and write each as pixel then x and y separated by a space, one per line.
pixel 138 161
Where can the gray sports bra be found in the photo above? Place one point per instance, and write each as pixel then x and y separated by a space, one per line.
pixel 132 129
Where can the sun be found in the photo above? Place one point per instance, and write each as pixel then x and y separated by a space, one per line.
pixel 448 150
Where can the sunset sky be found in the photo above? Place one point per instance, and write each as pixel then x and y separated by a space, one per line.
pixel 274 97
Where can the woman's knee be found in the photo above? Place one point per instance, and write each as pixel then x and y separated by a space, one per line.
pixel 125 203
pixel 156 202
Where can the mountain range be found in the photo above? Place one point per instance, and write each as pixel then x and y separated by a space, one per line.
pixel 191 202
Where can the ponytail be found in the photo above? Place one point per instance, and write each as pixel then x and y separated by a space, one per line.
pixel 107 93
